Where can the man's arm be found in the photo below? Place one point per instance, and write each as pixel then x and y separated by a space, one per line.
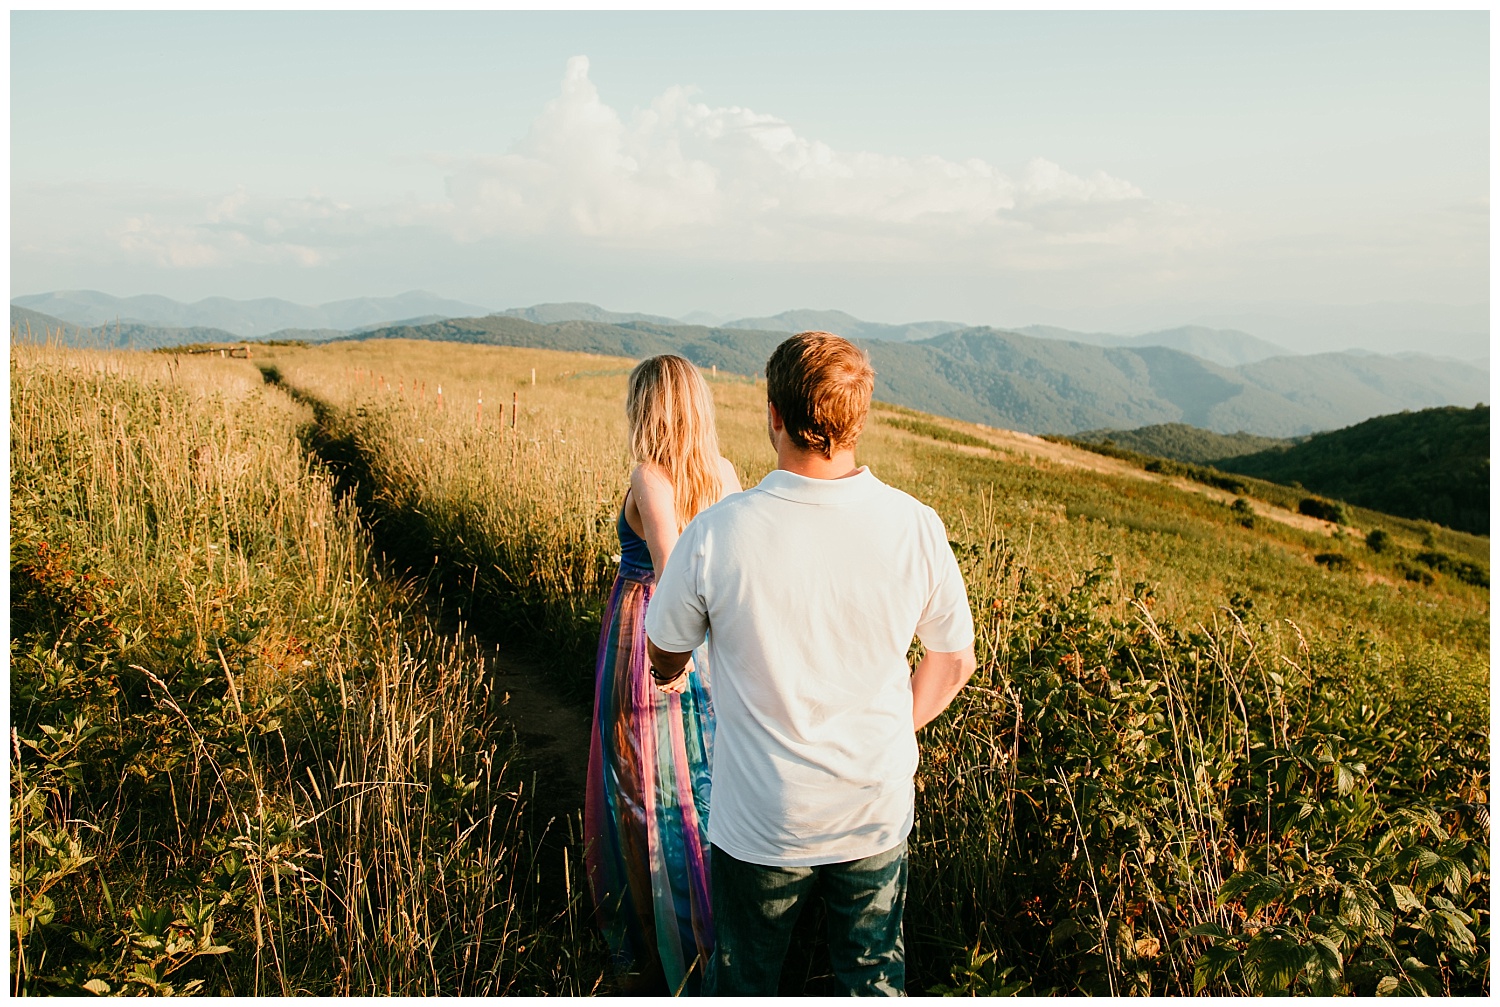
pixel 676 613
pixel 938 678
pixel 667 666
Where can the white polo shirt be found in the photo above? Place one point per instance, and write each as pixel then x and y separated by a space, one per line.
pixel 809 592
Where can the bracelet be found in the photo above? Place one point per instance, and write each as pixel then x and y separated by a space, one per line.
pixel 657 677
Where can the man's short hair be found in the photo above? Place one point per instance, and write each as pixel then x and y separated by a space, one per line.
pixel 820 383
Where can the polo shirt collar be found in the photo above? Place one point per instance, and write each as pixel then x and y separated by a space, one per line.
pixel 827 492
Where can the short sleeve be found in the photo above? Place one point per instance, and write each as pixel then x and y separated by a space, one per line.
pixel 946 624
pixel 677 616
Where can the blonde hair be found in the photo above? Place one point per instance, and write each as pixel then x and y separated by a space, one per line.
pixel 671 414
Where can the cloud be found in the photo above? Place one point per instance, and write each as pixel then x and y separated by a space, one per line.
pixel 733 182
pixel 678 178
pixel 239 228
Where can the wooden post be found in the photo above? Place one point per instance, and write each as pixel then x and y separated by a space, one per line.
pixel 479 413
pixel 514 398
pixel 533 377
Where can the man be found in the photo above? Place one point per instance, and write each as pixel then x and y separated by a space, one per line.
pixel 809 588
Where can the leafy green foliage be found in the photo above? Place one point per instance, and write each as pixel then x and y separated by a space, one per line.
pixel 982 975
pixel 1323 510
pixel 1134 807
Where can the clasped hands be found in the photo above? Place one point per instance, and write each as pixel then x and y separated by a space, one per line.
pixel 668 670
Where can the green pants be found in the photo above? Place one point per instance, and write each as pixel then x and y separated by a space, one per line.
pixel 755 908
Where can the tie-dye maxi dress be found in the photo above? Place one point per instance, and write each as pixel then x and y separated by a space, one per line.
pixel 646 809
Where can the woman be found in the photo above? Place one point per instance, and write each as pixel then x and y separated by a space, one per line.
pixel 645 816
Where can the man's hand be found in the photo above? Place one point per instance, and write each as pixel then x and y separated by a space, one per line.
pixel 938 678
pixel 669 669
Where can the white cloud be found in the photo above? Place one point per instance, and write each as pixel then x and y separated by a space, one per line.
pixel 233 229
pixel 732 182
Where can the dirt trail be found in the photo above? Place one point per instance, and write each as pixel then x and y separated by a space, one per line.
pixel 553 732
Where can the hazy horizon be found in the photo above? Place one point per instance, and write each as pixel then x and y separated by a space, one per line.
pixel 1340 327
pixel 1320 179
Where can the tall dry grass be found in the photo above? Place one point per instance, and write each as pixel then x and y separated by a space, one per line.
pixel 242 762
pixel 510 480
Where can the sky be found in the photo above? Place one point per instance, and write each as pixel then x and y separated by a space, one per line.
pixel 1317 173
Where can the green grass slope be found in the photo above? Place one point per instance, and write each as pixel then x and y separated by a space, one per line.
pixel 1433 465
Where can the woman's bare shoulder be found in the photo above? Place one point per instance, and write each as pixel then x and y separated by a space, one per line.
pixel 651 484
pixel 729 476
pixel 650 474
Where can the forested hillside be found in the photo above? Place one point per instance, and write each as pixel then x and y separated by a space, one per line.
pixel 1182 442
pixel 1433 464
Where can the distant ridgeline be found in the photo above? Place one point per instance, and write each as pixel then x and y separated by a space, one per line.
pixel 1036 385
pixel 1433 464
pixel 35 327
pixel 982 375
pixel 1184 443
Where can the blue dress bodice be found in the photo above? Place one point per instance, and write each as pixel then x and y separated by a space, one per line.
pixel 635 555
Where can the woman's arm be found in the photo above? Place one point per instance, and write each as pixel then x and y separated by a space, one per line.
pixel 656 504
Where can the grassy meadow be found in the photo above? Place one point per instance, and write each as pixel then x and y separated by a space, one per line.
pixel 1205 751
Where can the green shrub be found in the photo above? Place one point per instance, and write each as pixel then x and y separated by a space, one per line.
pixel 1464 570
pixel 1323 510
pixel 1414 574
pixel 1378 540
